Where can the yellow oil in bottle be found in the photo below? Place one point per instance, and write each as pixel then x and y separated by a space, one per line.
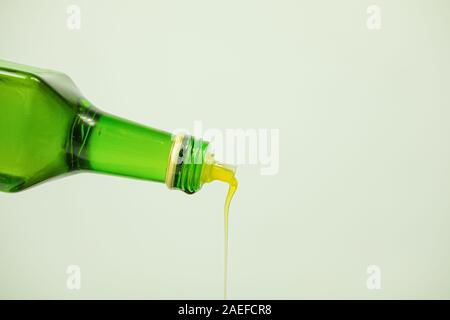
pixel 217 171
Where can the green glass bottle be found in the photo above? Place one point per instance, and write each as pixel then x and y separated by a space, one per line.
pixel 48 129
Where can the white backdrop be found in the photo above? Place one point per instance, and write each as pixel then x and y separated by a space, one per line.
pixel 364 150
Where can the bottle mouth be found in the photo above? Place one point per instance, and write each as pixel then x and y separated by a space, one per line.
pixel 185 164
pixel 190 165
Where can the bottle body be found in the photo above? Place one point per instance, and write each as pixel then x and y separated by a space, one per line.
pixel 48 129
pixel 33 123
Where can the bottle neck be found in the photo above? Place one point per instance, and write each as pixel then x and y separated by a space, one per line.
pixel 108 144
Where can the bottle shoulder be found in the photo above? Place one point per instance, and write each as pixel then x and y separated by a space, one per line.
pixel 59 83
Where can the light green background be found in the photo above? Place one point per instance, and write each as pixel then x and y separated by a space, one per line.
pixel 364 150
